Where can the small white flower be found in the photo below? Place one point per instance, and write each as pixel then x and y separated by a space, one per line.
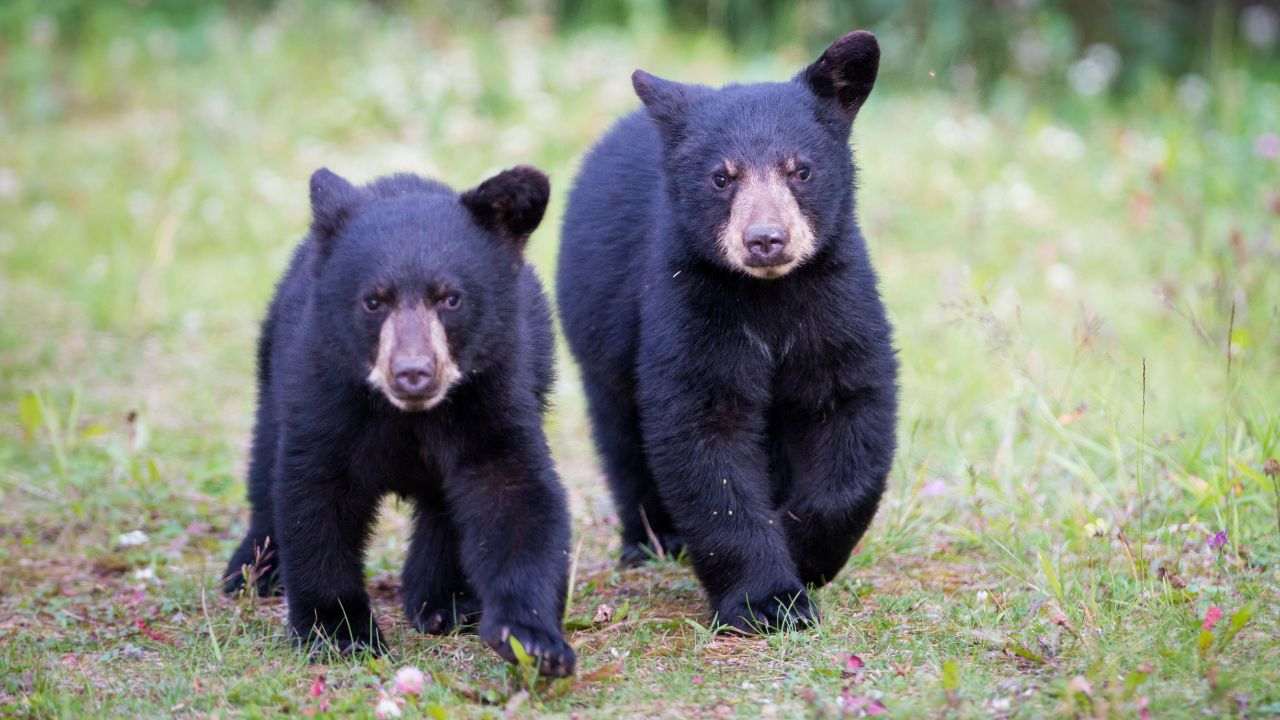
pixel 1193 93
pixel 1059 143
pixel 1093 73
pixel 9 185
pixel 1096 528
pixel 1060 277
pixel 132 538
pixel 1031 53
pixel 1260 26
pixel 387 708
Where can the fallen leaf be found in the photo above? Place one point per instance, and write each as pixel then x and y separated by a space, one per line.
pixel 1080 684
pixel 1170 577
pixel 604 672
pixel 604 613
pixel 1068 418
pixel 852 666
pixel 151 633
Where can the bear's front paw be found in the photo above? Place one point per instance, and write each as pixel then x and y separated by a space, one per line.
pixel 546 646
pixel 785 610
pixel 441 617
pixel 347 635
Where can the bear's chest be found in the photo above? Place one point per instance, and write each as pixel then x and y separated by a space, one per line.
pixel 804 365
pixel 804 376
pixel 401 457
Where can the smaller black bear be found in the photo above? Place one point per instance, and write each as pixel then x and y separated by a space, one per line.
pixel 409 350
pixel 738 362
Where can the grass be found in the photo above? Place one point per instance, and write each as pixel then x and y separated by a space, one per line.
pixel 1088 315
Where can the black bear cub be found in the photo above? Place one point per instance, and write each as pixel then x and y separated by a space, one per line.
pixel 716 291
pixel 408 350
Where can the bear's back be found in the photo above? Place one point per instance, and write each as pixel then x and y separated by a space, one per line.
pixel 608 228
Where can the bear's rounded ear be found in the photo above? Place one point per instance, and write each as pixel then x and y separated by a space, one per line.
pixel 332 199
pixel 510 203
pixel 666 100
pixel 845 73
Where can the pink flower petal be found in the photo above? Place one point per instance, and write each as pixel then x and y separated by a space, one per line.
pixel 1267 145
pixel 933 488
pixel 1211 617
pixel 410 681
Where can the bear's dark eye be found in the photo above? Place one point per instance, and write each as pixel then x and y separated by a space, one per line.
pixel 375 302
pixel 451 301
pixel 720 180
pixel 802 173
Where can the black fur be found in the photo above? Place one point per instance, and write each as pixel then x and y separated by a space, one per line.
pixel 491 537
pixel 752 420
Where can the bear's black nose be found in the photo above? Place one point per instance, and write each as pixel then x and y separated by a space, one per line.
pixel 765 244
pixel 412 376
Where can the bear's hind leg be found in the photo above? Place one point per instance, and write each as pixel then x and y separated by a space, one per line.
pixel 647 529
pixel 437 598
pixel 257 559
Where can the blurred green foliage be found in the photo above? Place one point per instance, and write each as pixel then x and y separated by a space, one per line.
pixel 995 37
pixel 979 44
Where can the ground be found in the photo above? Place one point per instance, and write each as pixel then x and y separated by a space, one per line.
pixel 1080 520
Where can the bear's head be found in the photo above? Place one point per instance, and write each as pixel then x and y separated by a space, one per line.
pixel 415 285
pixel 760 176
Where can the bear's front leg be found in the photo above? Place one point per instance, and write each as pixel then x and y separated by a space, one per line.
pixel 437 598
pixel 840 459
pixel 703 426
pixel 324 520
pixel 513 523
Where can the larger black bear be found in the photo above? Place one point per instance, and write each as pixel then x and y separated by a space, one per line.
pixel 716 290
pixel 409 350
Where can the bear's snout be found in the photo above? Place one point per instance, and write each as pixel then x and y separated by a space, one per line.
pixel 766 245
pixel 412 376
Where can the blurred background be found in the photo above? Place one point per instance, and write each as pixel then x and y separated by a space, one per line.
pixel 1074 206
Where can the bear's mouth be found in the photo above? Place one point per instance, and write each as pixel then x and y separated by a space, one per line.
pixel 769 269
pixel 417 402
